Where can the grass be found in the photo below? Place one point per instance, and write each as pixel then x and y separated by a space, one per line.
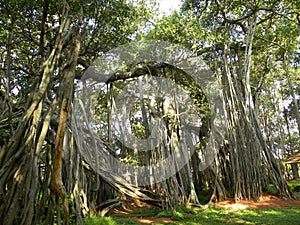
pixel 220 216
pixel 179 214
pixel 211 215
pixel 108 221
pixel 214 216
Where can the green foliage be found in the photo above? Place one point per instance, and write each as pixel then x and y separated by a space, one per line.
pixel 297 188
pixel 177 28
pixel 294 186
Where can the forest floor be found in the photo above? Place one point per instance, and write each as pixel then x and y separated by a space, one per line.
pixel 266 202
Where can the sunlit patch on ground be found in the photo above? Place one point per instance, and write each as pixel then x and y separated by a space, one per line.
pixel 267 201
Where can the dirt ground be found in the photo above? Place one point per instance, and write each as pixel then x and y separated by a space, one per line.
pixel 144 220
pixel 267 201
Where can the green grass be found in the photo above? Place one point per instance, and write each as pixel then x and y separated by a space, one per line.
pixel 108 221
pixel 100 220
pixel 220 216
pixel 214 216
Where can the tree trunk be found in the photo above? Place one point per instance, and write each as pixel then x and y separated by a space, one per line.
pixel 251 159
pixel 20 159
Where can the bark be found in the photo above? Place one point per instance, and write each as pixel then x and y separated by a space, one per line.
pixel 291 151
pixel 297 115
pixel 290 83
pixel 67 92
pixel 252 161
pixel 20 159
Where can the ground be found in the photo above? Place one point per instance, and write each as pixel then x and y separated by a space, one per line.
pixel 267 201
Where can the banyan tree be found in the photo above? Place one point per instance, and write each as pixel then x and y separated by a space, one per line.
pixel 78 126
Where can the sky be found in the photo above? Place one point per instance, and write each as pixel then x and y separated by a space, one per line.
pixel 167 5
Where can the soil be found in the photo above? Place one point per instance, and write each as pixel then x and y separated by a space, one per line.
pixel 143 220
pixel 266 202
